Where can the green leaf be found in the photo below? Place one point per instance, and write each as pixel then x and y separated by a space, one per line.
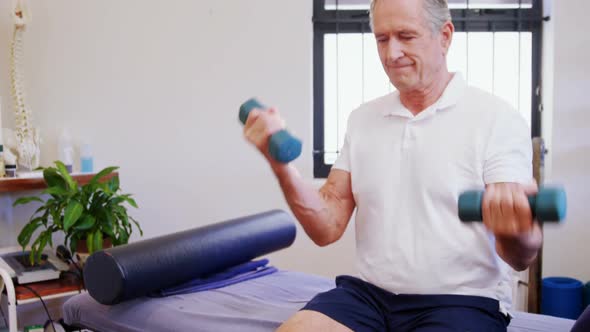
pixel 72 213
pixel 131 202
pixel 85 223
pixel 93 202
pixel 105 189
pixel 117 209
pixel 55 212
pixel 73 244
pixel 24 237
pixel 124 218
pixel 55 191
pixel 45 237
pixel 107 224
pixel 123 237
pixel 114 184
pixel 103 173
pixel 41 208
pixel 97 241
pixel 113 220
pixel 90 242
pixel 53 179
pixel 117 200
pixel 32 257
pixel 45 217
pixel 137 224
pixel 38 246
pixel 66 176
pixel 89 189
pixel 50 231
pixel 26 200
pixel 108 230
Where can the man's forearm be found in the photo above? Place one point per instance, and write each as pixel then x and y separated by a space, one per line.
pixel 309 205
pixel 520 251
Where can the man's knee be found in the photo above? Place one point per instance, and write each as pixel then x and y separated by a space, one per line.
pixel 308 320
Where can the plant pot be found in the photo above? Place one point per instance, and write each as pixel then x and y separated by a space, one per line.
pixel 82 250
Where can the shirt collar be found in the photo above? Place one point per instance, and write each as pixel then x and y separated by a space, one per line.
pixel 450 97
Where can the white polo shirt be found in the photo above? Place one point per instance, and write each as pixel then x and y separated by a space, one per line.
pixel 407 174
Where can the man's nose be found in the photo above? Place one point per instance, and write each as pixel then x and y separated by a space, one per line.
pixel 394 50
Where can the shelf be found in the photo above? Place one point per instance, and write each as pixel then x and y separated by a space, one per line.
pixel 22 184
pixel 66 285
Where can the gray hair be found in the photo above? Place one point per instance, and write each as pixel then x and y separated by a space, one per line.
pixel 437 13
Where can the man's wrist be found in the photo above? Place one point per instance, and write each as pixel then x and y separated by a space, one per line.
pixel 519 251
pixel 529 242
pixel 279 168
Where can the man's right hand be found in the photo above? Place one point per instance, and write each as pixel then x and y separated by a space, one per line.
pixel 259 126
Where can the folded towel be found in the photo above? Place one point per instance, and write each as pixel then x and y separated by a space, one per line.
pixel 230 276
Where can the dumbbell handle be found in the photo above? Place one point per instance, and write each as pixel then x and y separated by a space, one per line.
pixel 282 146
pixel 549 205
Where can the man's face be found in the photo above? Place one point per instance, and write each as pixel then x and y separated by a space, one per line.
pixel 411 54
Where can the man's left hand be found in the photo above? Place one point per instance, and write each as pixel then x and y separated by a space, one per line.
pixel 507 214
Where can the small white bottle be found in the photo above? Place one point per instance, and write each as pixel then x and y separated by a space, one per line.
pixel 66 150
pixel 86 159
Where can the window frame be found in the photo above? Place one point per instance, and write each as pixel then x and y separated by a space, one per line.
pixel 465 20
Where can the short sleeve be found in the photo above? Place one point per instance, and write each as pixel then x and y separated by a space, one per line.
pixel 343 160
pixel 509 152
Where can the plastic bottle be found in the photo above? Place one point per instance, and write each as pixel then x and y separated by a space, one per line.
pixel 9 163
pixel 10 170
pixel 66 150
pixel 2 169
pixel 86 159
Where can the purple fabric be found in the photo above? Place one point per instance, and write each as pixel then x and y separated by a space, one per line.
pixel 230 276
pixel 583 322
pixel 258 305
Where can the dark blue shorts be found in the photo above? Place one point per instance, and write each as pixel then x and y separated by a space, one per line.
pixel 362 306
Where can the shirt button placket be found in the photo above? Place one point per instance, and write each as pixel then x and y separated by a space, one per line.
pixel 408 136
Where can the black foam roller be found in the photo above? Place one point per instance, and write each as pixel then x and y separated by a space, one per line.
pixel 137 269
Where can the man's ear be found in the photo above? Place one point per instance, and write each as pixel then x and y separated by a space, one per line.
pixel 446 33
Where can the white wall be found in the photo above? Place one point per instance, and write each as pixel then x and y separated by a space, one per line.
pixel 155 86
pixel 567 247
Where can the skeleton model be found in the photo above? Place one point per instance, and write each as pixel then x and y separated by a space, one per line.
pixel 27 137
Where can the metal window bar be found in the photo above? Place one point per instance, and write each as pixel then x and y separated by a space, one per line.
pixel 337 80
pixel 520 73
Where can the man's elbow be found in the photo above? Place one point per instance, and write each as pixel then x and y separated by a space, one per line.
pixel 520 253
pixel 326 239
pixel 521 264
pixel 518 267
pixel 322 242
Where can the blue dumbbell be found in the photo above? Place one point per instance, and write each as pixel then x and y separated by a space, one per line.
pixel 550 204
pixel 282 147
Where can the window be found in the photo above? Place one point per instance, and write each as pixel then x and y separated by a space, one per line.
pixel 496 47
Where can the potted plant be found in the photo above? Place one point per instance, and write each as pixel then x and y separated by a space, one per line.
pixel 93 214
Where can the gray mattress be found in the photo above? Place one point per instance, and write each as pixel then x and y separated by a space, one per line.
pixel 255 305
